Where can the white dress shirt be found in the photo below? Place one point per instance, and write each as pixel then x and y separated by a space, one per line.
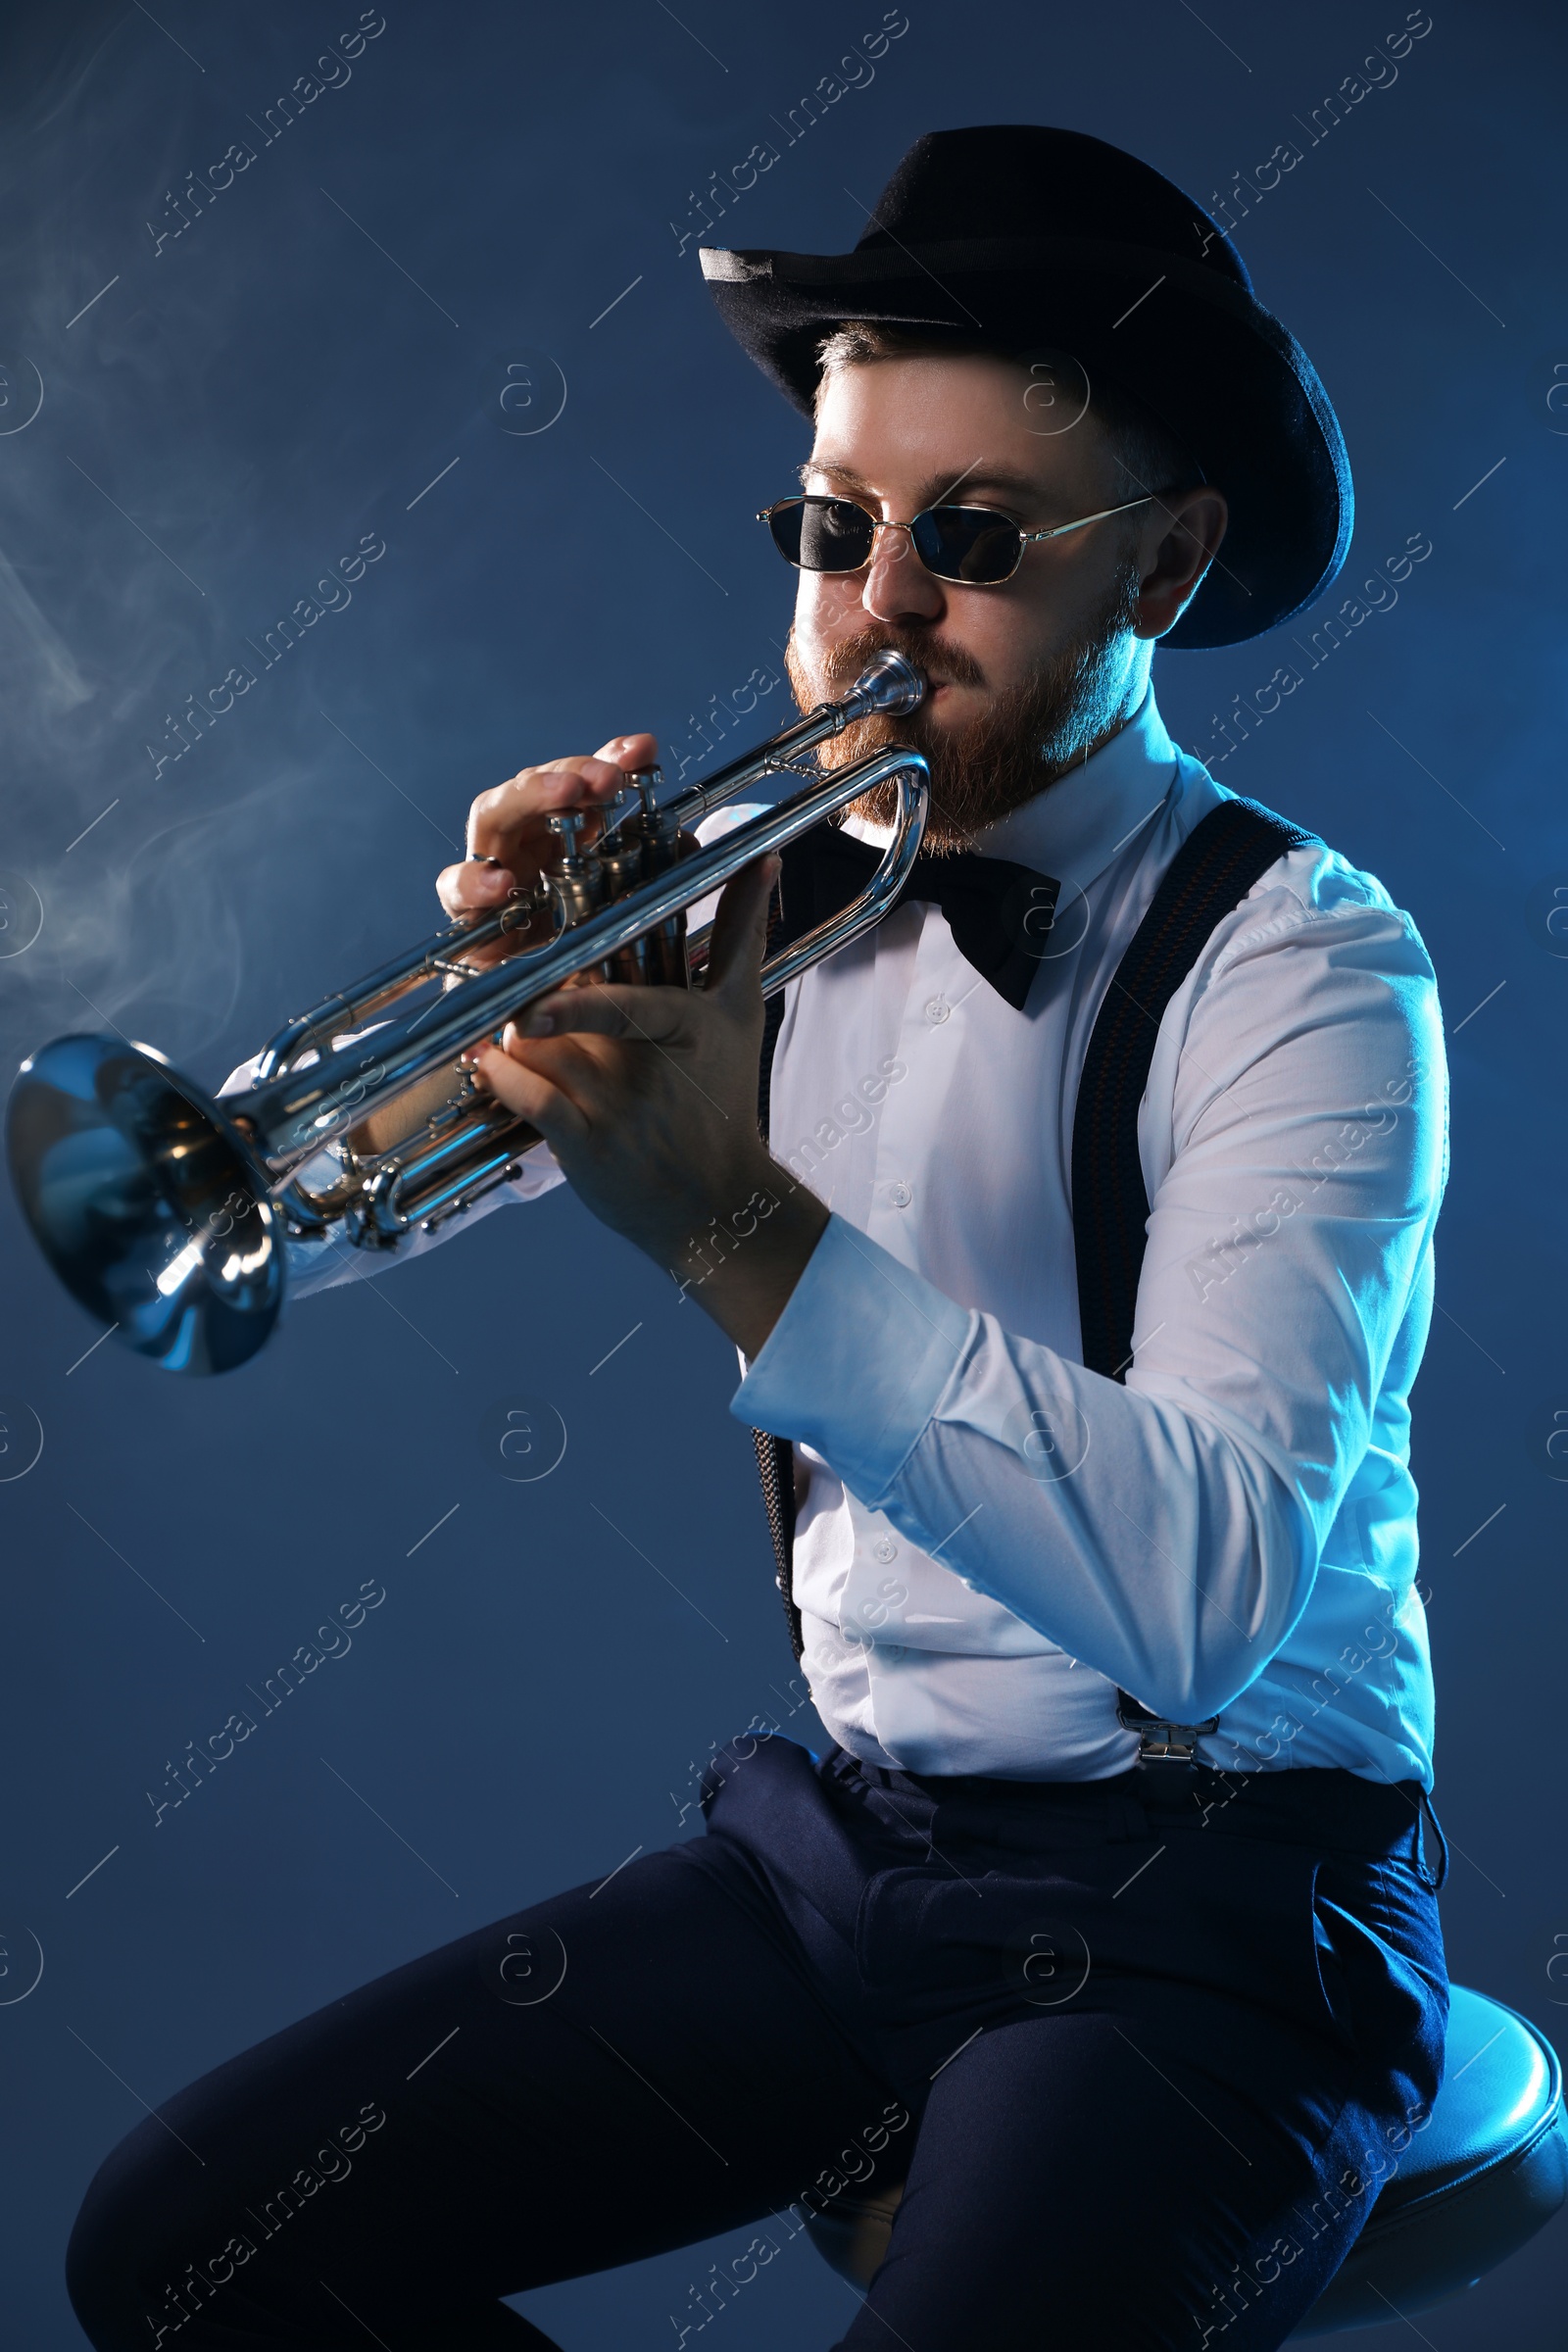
pixel 992 1538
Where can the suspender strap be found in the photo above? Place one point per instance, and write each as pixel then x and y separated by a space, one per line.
pixel 776 1462
pixel 1217 864
pixel 1211 874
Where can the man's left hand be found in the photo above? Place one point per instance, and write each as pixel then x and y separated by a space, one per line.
pixel 647 1097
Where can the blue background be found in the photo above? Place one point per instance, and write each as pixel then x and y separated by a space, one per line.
pixel 495 187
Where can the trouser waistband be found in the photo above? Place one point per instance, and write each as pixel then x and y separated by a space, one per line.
pixel 1316 1806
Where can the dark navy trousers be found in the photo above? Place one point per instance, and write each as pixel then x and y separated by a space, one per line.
pixel 1143 2049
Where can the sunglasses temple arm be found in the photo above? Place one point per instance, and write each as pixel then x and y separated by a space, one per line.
pixel 1102 517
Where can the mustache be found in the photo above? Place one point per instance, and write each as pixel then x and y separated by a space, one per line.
pixel 952 664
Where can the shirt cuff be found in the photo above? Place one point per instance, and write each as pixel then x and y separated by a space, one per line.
pixel 857 1363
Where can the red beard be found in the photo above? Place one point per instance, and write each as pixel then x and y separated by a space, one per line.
pixel 1021 742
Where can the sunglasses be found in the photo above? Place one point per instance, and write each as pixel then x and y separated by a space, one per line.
pixel 973 545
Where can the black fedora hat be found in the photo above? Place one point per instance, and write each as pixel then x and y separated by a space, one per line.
pixel 1022 233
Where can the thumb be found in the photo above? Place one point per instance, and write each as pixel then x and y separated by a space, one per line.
pixel 740 929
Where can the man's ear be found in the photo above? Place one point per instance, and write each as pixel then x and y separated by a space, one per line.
pixel 1178 543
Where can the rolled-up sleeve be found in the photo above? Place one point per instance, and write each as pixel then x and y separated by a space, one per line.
pixel 1167 1530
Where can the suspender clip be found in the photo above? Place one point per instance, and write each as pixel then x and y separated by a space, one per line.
pixel 1160 1742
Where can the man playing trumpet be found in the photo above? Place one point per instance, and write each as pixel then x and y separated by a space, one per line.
pixel 1081 1365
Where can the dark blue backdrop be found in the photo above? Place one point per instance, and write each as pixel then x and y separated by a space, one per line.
pixel 239 390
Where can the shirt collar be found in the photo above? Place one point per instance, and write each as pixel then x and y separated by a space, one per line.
pixel 1076 825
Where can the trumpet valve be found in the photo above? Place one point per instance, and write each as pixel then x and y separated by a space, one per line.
pixel 566 825
pixel 575 881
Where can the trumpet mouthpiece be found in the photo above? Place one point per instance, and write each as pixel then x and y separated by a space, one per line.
pixel 888 683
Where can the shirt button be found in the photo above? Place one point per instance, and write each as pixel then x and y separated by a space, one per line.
pixel 937 1010
pixel 885 1548
pixel 899 1193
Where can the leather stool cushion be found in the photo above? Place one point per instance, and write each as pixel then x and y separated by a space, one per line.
pixel 1487 2172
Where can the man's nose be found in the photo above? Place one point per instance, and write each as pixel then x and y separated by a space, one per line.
pixel 898 585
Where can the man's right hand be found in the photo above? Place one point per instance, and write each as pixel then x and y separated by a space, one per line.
pixel 509 835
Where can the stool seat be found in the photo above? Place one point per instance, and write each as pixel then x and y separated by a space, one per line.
pixel 1487 2172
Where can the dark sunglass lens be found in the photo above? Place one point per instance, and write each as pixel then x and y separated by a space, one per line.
pixel 834 535
pixel 968 543
pixel 784 525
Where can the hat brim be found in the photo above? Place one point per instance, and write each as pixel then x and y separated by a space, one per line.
pixel 1199 352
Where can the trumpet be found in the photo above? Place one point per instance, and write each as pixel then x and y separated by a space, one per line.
pixel 167 1211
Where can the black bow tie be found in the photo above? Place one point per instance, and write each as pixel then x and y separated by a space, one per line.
pixel 1000 913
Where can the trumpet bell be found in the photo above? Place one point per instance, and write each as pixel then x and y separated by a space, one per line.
pixel 146 1202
